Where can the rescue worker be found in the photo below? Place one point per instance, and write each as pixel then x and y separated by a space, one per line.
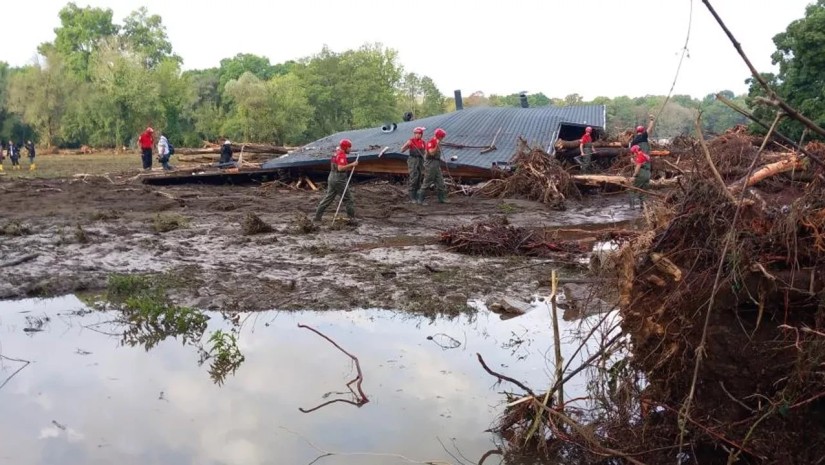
pixel 586 150
pixel 337 182
pixel 432 168
pixel 146 141
pixel 415 161
pixel 31 151
pixel 641 174
pixel 642 135
pixel 226 152
pixel 14 155
pixel 163 152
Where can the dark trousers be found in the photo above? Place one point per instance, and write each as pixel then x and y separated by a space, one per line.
pixel 146 157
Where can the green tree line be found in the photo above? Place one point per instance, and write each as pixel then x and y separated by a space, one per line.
pixel 100 83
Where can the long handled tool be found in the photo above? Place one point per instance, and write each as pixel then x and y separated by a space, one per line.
pixel 345 190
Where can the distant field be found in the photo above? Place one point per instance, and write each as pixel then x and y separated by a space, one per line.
pixel 62 166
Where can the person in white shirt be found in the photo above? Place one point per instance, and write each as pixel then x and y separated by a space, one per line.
pixel 163 152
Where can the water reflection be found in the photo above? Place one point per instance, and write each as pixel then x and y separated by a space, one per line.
pixel 92 397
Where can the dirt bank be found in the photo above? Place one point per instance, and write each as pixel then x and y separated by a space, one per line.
pixel 69 235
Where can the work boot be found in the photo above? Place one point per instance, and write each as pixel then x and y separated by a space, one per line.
pixel 421 199
pixel 317 219
pixel 413 197
pixel 32 167
pixel 442 198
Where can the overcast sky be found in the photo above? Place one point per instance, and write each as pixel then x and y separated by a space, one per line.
pixel 590 47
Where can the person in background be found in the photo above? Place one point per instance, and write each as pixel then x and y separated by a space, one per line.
pixel 337 182
pixel 642 136
pixel 415 161
pixel 163 152
pixel 586 150
pixel 14 155
pixel 31 151
pixel 2 154
pixel 432 169
pixel 146 142
pixel 226 152
pixel 641 174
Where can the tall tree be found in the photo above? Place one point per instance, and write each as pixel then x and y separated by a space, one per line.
pixel 39 94
pixel 235 67
pixel 146 35
pixel 800 54
pixel 79 33
pixel 433 100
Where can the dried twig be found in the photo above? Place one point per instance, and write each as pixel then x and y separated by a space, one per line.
pixel 24 362
pixel 360 397
pixel 504 377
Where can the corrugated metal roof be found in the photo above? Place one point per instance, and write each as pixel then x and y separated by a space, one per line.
pixel 469 127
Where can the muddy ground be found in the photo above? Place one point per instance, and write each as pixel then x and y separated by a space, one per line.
pixel 68 235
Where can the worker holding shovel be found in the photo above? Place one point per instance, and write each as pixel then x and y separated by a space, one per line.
pixel 641 174
pixel 432 169
pixel 337 182
pixel 415 161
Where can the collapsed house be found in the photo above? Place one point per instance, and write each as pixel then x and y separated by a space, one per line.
pixel 479 140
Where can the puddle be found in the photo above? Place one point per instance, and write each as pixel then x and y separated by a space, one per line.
pixel 86 398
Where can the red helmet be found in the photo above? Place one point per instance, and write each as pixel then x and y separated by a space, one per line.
pixel 419 130
pixel 635 149
pixel 440 133
pixel 640 129
pixel 588 129
pixel 345 143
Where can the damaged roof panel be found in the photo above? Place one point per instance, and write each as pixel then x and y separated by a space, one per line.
pixel 469 132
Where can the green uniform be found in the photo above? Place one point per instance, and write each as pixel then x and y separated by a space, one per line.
pixel 432 175
pixel 642 181
pixel 415 166
pixel 336 182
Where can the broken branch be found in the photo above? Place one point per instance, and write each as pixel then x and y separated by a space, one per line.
pixel 360 397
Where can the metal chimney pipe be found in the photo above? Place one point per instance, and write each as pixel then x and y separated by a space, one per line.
pixel 459 104
pixel 523 99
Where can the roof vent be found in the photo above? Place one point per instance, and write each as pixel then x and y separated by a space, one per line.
pixel 459 102
pixel 408 116
pixel 389 127
pixel 523 99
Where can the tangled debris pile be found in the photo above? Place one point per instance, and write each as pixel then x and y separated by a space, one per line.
pixel 497 237
pixel 537 176
pixel 723 311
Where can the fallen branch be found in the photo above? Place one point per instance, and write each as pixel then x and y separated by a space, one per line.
pixel 791 164
pixel 360 397
pixel 503 377
pixel 786 139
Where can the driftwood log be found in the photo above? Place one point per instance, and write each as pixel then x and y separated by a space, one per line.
pixel 597 180
pixel 247 148
pixel 574 144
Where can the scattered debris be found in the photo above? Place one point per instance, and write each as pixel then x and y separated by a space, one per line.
pixel 253 224
pixel 536 176
pixel 497 237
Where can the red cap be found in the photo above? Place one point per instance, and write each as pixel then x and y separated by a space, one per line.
pixel 588 129
pixel 635 149
pixel 440 133
pixel 419 130
pixel 345 143
pixel 640 129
